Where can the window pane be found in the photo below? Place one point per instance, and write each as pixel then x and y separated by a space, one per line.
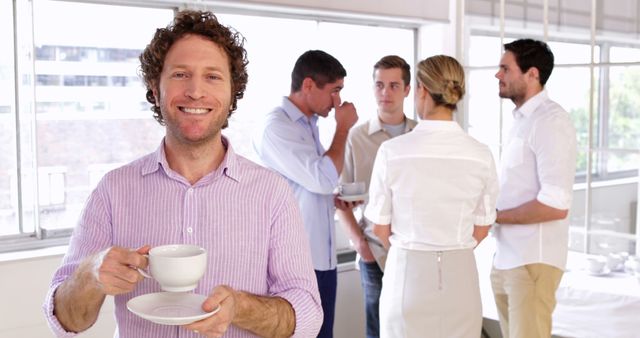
pixel 484 106
pixel 570 87
pixel 573 53
pixel 624 107
pixel 484 51
pixel 484 110
pixel 91 111
pixel 340 40
pixel 623 137
pixel 613 222
pixel 623 54
pixel 270 64
pixel 622 161
pixel 8 182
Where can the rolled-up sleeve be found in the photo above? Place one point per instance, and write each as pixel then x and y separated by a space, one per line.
pixel 284 147
pixel 379 208
pixel 554 142
pixel 90 236
pixel 291 274
pixel 52 320
pixel 485 212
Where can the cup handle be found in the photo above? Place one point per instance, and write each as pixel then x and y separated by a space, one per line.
pixel 144 272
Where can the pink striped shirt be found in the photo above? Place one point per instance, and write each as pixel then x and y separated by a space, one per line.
pixel 243 214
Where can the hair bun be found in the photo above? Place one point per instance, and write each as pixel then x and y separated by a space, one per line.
pixel 452 92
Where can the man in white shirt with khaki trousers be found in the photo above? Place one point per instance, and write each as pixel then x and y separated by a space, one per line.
pixel 537 172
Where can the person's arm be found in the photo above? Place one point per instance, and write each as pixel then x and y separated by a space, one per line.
pixel 383 232
pixel 264 316
pixel 344 210
pixel 78 299
pixel 261 315
pixel 529 213
pixel 355 233
pixel 346 117
pixel 285 148
pixel 75 295
pixel 379 209
pixel 553 140
pixel 485 212
pixel 480 232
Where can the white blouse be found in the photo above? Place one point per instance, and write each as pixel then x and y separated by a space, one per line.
pixel 433 185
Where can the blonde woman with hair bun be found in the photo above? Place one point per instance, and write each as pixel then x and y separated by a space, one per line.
pixel 432 199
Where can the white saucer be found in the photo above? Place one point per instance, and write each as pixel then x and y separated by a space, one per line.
pixel 170 308
pixel 353 198
pixel 604 272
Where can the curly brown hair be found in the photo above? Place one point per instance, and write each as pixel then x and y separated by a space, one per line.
pixel 201 23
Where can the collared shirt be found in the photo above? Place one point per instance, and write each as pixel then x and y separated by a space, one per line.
pixel 538 162
pixel 244 216
pixel 433 185
pixel 362 146
pixel 289 144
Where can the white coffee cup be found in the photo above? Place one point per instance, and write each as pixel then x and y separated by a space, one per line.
pixel 355 188
pixel 614 262
pixel 632 265
pixel 596 264
pixel 624 255
pixel 176 267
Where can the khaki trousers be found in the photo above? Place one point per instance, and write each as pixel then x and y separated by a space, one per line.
pixel 525 297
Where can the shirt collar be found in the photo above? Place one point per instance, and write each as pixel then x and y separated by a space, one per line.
pixel 228 167
pixel 531 105
pixel 437 125
pixel 375 125
pixel 294 113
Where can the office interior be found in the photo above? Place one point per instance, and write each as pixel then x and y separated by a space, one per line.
pixel 72 107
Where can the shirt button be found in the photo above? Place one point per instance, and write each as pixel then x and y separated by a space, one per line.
pixel 190 230
pixel 190 190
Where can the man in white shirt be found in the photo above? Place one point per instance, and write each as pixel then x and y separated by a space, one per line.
pixel 536 185
pixel 392 78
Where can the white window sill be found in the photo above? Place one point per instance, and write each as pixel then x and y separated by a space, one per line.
pixel 33 254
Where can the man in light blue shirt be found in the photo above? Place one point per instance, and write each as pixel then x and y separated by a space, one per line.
pixel 290 144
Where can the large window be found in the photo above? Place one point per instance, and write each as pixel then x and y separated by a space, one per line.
pixel 83 113
pixel 271 61
pixel 89 112
pixel 604 211
pixel 8 158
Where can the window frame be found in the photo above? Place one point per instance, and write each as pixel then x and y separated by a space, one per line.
pixel 601 110
pixel 41 237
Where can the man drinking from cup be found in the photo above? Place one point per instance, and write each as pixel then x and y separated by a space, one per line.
pixel 193 190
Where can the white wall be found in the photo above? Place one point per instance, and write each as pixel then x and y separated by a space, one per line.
pixel 24 284
pixel 23 287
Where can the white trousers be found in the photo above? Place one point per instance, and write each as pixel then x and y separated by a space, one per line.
pixel 430 294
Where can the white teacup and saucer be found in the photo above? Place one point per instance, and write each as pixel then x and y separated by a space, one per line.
pixel 615 262
pixel 352 192
pixel 597 266
pixel 177 268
